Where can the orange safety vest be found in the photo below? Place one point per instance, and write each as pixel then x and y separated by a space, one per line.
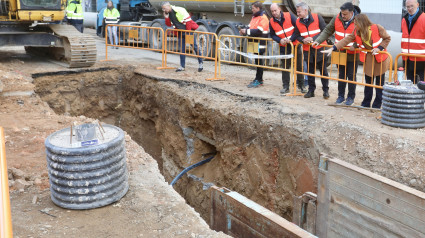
pixel 261 23
pixel 287 30
pixel 376 41
pixel 413 43
pixel 312 30
pixel 341 32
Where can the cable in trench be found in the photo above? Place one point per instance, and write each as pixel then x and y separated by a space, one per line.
pixel 213 154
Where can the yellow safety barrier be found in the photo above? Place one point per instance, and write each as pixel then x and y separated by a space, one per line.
pixel 191 43
pixel 405 63
pixel 241 50
pixel 5 215
pixel 136 37
pixel 338 59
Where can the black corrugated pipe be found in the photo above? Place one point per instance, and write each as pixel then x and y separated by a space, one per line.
pixel 194 166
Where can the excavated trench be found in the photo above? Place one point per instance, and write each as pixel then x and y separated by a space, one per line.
pixel 177 121
pixel 263 152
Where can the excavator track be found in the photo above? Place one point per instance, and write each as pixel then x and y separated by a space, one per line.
pixel 79 49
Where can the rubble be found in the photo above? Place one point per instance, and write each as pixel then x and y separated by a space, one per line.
pixel 21 184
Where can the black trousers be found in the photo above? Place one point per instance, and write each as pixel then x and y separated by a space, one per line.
pixel 410 70
pixel 260 70
pixel 312 70
pixel 368 91
pixel 286 64
pixel 78 26
pixel 350 75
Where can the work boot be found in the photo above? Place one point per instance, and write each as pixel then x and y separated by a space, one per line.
pixel 325 94
pixel 285 90
pixel 309 94
pixel 340 100
pixel 256 83
pixel 180 69
pixel 201 67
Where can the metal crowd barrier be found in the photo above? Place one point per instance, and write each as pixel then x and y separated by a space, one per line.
pixel 196 44
pixel 247 51
pixel 415 70
pixel 5 215
pixel 137 37
pixel 338 59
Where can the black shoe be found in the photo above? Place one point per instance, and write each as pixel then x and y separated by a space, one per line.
pixel 201 67
pixel 325 94
pixel 302 89
pixel 285 90
pixel 309 94
pixel 180 69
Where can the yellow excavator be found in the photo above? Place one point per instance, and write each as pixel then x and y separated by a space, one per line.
pixel 37 25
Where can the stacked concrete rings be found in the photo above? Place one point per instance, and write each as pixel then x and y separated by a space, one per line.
pixel 403 106
pixel 87 177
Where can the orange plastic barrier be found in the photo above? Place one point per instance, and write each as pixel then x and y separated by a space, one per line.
pixel 336 60
pixel 5 215
pixel 415 70
pixel 204 42
pixel 137 37
pixel 244 50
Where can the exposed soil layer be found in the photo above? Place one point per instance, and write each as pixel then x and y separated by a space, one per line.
pixel 267 151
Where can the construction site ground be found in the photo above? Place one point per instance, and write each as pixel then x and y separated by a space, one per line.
pixel 152 208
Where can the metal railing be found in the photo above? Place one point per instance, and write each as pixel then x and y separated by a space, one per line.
pixel 256 52
pixel 198 44
pixel 5 214
pixel 338 59
pixel 136 37
pixel 245 51
pixel 406 66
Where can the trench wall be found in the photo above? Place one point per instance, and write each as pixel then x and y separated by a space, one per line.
pixel 264 152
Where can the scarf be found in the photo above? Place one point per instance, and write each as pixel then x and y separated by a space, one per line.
pixel 366 39
pixel 410 17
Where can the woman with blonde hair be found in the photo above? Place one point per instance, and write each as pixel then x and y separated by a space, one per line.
pixel 369 36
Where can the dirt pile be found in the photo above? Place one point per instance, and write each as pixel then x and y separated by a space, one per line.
pixel 150 208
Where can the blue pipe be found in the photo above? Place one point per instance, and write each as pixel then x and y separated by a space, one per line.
pixel 192 167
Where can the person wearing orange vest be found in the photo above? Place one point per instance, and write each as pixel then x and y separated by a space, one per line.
pixel 308 27
pixel 258 27
pixel 373 37
pixel 343 25
pixel 282 26
pixel 413 40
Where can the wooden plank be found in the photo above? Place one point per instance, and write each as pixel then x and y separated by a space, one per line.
pixel 406 190
pixel 343 212
pixel 398 190
pixel 379 193
pixel 368 204
pixel 234 207
pixel 322 204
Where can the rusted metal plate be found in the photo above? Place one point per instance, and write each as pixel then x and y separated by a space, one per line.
pixel 304 211
pixel 363 204
pixel 322 199
pixel 238 216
